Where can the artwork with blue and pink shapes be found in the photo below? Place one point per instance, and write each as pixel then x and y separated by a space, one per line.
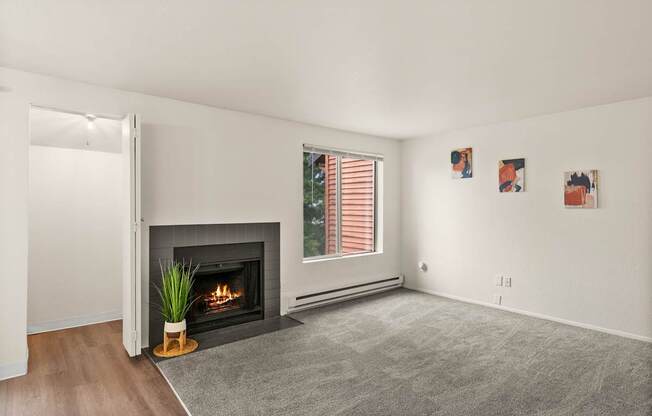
pixel 462 163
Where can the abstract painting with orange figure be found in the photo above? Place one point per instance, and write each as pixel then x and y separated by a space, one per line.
pixel 581 189
pixel 461 161
pixel 511 175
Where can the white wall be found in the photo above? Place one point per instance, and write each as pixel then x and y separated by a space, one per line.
pixel 587 266
pixel 192 155
pixel 13 233
pixel 75 239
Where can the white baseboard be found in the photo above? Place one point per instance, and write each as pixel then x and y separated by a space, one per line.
pixel 537 315
pixel 12 370
pixel 73 322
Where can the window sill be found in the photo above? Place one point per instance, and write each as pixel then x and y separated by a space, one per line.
pixel 331 258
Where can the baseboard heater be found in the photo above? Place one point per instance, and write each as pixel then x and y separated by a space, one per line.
pixel 313 300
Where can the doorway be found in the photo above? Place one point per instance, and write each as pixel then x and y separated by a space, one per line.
pixel 84 210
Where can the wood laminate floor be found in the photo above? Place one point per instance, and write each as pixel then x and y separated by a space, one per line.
pixel 86 371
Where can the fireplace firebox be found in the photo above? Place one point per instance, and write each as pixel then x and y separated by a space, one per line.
pixel 226 293
pixel 229 284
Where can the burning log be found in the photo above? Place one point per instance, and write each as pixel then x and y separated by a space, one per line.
pixel 222 298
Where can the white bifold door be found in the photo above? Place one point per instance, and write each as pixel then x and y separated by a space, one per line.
pixel 131 245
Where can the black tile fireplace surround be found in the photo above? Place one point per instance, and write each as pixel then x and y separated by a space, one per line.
pixel 238 279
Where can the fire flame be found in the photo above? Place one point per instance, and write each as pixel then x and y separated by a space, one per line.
pixel 222 294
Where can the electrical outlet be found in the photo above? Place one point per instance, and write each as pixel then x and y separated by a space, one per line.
pixel 508 282
pixel 497 299
pixel 499 280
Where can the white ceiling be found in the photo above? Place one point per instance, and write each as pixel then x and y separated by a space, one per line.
pixel 73 131
pixel 391 68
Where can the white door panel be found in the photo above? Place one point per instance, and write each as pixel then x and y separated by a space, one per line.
pixel 131 290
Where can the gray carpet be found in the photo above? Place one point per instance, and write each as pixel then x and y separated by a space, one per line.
pixel 408 353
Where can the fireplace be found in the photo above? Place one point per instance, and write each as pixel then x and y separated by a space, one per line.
pixel 229 284
pixel 226 293
pixel 238 279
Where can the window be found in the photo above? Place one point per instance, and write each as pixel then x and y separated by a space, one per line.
pixel 339 202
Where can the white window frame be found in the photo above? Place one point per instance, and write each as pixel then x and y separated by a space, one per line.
pixel 377 229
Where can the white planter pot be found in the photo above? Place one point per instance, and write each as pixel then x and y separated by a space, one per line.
pixel 171 327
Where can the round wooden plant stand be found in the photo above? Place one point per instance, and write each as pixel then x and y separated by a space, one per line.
pixel 175 342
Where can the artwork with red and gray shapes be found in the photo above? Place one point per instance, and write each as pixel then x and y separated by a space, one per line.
pixel 511 175
pixel 581 189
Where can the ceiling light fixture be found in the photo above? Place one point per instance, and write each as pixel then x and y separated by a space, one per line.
pixel 91 126
pixel 91 118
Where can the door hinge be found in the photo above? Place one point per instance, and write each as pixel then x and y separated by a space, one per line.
pixel 134 227
pixel 134 336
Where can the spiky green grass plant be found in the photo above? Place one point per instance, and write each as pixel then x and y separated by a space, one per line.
pixel 175 290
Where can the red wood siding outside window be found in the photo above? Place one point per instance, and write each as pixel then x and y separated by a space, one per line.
pixel 358 205
pixel 330 196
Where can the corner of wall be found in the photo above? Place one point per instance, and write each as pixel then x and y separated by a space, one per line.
pixel 15 369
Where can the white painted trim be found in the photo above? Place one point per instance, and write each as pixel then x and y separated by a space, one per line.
pixel 537 315
pixel 12 370
pixel 329 257
pixel 73 322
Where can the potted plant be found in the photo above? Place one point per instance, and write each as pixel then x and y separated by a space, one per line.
pixel 177 280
